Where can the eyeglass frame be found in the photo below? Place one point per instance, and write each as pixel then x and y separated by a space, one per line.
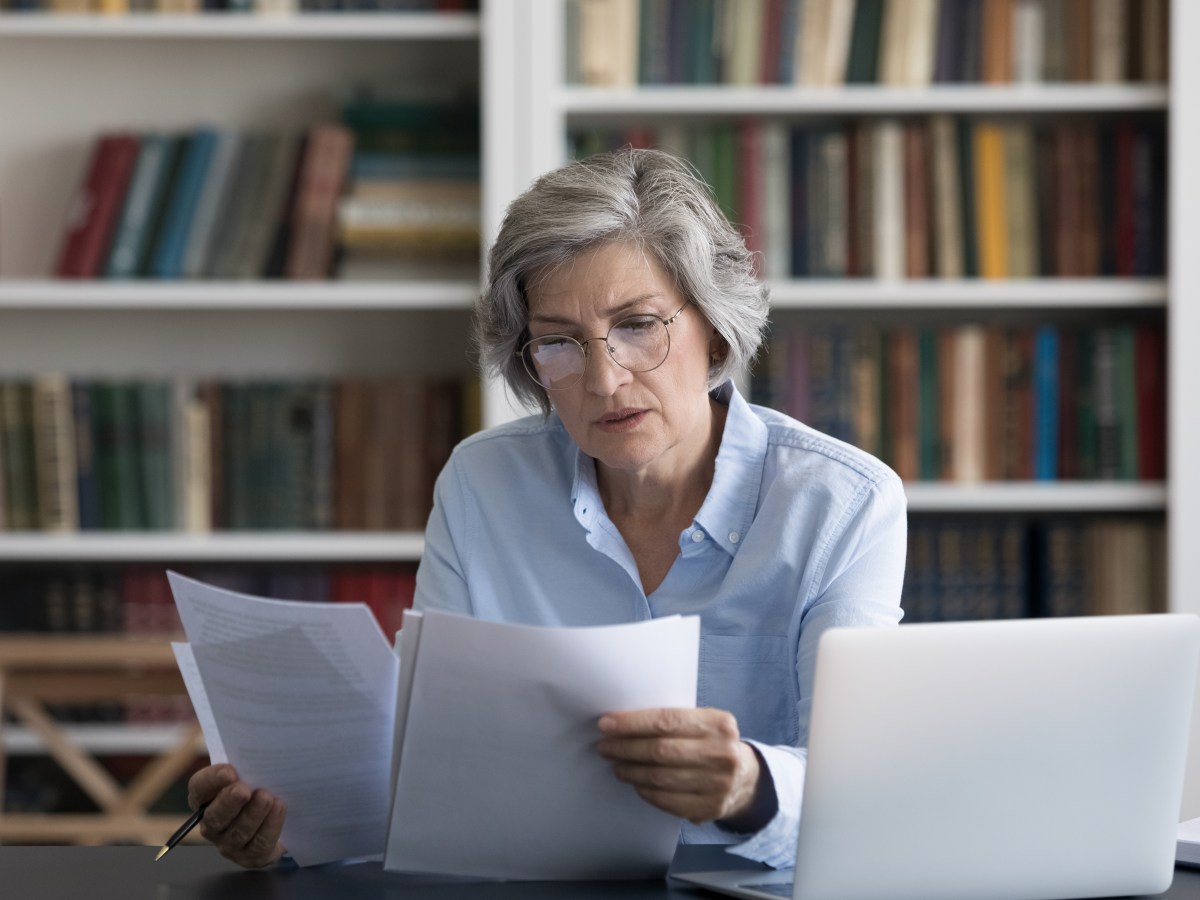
pixel 585 344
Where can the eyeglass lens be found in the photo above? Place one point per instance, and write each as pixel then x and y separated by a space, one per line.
pixel 639 344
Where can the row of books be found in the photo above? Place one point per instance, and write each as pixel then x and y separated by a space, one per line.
pixel 970 403
pixel 412 206
pixel 155 455
pixel 225 204
pixel 175 7
pixel 135 602
pixel 940 196
pixel 961 569
pixel 622 43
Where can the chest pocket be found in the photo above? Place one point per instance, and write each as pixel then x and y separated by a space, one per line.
pixel 753 677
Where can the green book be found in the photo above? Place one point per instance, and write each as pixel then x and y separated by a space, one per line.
pixel 157 487
pixel 1125 379
pixel 20 473
pixel 863 61
pixel 114 424
pixel 725 164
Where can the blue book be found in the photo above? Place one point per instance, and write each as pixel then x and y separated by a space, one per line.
pixel 1045 403
pixel 166 259
pixel 135 226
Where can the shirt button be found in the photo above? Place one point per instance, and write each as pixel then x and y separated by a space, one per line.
pixel 697 536
pixel 734 537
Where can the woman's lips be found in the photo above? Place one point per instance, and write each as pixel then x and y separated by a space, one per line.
pixel 621 420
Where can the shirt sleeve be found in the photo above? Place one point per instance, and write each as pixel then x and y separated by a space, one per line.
pixel 859 582
pixel 441 578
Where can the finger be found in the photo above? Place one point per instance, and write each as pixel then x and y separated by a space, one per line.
pixel 242 830
pixel 652 722
pixel 713 755
pixel 208 782
pixel 669 721
pixel 264 847
pixel 223 809
pixel 672 779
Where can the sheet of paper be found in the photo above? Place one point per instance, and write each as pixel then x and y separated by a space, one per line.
pixel 195 688
pixel 303 696
pixel 499 775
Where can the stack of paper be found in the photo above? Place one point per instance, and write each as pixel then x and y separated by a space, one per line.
pixel 473 754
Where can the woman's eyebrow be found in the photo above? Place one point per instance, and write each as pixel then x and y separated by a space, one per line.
pixel 622 307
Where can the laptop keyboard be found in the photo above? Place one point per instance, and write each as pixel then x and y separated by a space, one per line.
pixel 778 889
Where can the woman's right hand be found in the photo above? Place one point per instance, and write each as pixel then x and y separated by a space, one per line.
pixel 243 822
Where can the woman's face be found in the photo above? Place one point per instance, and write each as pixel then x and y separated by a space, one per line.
pixel 652 423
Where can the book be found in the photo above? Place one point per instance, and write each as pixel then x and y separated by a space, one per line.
pixel 322 180
pixel 96 207
pixel 54 454
pixel 213 200
pixel 18 455
pixel 142 209
pixel 990 207
pixel 170 245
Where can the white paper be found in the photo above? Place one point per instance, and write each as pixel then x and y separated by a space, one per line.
pixel 500 776
pixel 303 696
pixel 1187 845
pixel 200 705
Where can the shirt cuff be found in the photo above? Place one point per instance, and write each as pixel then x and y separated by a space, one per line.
pixel 775 843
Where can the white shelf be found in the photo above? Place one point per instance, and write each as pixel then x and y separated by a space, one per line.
pixel 223 547
pixel 257 26
pixel 701 101
pixel 237 295
pixel 1065 293
pixel 1037 497
pixel 101 738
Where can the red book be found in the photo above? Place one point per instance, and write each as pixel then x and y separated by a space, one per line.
pixel 322 177
pixel 1150 364
pixel 96 207
pixel 903 390
pixel 916 202
pixel 749 189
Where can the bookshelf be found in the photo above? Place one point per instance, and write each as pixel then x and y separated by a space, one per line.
pixel 64 79
pixel 552 108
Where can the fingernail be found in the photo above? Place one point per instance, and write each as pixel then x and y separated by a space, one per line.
pixel 606 723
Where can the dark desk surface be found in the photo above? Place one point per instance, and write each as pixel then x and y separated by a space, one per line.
pixel 198 873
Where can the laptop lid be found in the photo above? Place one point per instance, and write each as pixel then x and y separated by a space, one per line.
pixel 1009 759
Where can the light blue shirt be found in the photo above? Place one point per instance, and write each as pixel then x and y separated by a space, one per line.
pixel 799 532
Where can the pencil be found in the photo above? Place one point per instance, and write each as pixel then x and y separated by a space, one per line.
pixel 182 831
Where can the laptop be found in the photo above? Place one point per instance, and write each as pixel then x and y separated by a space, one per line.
pixel 1039 758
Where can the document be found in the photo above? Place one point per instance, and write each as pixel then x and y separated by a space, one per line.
pixel 302 699
pixel 498 775
pixel 467 749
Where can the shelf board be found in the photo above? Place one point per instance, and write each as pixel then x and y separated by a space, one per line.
pixel 1032 496
pixel 237 295
pixel 1065 293
pixel 694 100
pixel 102 738
pixel 222 547
pixel 257 26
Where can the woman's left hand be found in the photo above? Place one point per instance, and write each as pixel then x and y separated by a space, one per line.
pixel 691 763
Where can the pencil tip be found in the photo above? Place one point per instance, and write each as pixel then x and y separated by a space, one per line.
pixel 162 853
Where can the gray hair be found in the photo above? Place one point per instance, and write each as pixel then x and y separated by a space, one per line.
pixel 644 197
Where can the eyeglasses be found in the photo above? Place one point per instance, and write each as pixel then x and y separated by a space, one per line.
pixel 639 344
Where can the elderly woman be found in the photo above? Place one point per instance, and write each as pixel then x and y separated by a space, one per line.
pixel 620 302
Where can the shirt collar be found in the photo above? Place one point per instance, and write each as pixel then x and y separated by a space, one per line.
pixel 728 510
